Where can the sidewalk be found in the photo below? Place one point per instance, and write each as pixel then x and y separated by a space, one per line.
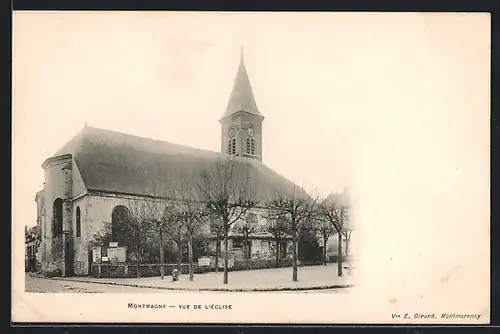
pixel 310 278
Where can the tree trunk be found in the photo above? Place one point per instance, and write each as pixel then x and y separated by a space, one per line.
pixel 247 254
pixel 339 256
pixel 179 257
pixel 217 251
pixel 138 261
pixel 346 247
pixel 324 250
pixel 162 268
pixel 190 255
pixel 277 252
pixel 226 253
pixel 294 234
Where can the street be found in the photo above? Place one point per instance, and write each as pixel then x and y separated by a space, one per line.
pixel 35 284
pixel 259 279
pixel 42 285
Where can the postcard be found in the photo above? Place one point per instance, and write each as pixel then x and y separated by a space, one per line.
pixel 251 167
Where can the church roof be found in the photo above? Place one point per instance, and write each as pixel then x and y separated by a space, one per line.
pixel 241 98
pixel 338 198
pixel 110 161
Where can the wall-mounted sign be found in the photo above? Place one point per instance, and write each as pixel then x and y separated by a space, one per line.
pixel 96 254
pixel 204 262
pixel 117 254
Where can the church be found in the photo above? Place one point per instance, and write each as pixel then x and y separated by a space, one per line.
pixel 91 178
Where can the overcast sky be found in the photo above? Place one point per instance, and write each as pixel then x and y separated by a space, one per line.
pixel 395 105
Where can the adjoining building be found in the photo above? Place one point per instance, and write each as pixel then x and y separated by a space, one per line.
pixel 90 180
pixel 32 244
pixel 341 199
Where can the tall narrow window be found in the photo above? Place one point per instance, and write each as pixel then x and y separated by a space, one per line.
pixel 57 218
pixel 250 146
pixel 78 222
pixel 231 147
pixel 231 144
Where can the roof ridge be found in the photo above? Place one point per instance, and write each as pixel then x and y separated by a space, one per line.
pixel 79 136
pixel 109 160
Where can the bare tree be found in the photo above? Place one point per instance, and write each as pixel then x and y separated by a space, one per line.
pixel 101 237
pixel 279 229
pixel 294 206
pixel 189 213
pixel 136 226
pixel 326 229
pixel 217 230
pixel 228 194
pixel 347 235
pixel 335 213
pixel 176 232
pixel 247 229
pixel 307 239
pixel 158 224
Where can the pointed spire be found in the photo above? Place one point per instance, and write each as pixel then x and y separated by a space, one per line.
pixel 241 98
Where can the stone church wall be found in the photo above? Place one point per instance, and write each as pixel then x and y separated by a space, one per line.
pixel 80 242
pixel 54 188
pixel 65 184
pixel 98 212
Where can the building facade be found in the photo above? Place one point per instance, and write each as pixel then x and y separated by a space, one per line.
pixel 95 176
pixel 31 244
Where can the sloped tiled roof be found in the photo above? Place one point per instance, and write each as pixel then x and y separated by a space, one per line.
pixel 338 198
pixel 110 161
pixel 241 98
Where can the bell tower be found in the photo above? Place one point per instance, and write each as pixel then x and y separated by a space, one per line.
pixel 241 124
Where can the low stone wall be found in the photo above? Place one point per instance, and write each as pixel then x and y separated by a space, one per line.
pixel 241 264
pixel 123 270
pixel 114 270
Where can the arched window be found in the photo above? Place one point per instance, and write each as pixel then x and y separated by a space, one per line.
pixel 57 218
pixel 252 219
pixel 231 147
pixel 119 218
pixel 78 222
pixel 250 146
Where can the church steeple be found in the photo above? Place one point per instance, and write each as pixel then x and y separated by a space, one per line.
pixel 241 124
pixel 241 98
